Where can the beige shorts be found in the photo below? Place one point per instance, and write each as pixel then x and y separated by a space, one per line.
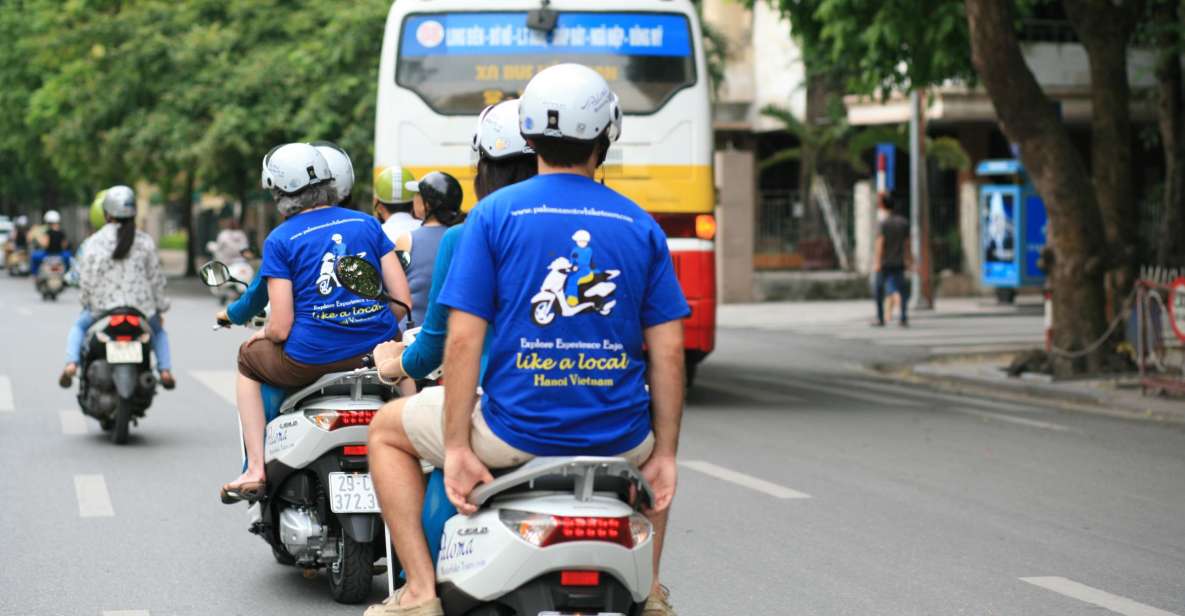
pixel 423 422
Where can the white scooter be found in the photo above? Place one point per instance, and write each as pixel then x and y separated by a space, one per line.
pixel 551 299
pixel 320 508
pixel 242 273
pixel 555 537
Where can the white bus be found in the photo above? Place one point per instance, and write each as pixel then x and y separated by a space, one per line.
pixel 446 60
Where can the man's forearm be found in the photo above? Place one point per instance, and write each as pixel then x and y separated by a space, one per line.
pixel 462 362
pixel 666 374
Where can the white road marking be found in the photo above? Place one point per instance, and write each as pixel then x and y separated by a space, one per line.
pixel 1032 423
pixel 221 382
pixel 742 479
pixel 24 311
pixel 73 423
pixel 756 395
pixel 6 404
pixel 126 613
pixel 923 393
pixel 93 500
pixel 1094 596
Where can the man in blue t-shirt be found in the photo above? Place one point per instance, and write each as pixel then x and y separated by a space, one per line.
pixel 561 379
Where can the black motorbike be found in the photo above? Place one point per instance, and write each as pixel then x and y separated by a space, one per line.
pixel 116 383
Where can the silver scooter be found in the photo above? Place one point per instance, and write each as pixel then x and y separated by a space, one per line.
pixel 320 508
pixel 557 536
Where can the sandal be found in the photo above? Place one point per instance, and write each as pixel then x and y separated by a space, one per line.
pixel 166 379
pixel 249 491
pixel 67 377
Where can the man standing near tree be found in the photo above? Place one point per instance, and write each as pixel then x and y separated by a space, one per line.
pixel 891 259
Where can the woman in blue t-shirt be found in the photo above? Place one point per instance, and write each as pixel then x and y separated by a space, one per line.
pixel 316 326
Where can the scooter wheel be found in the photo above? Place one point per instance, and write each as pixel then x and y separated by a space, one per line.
pixel 351 575
pixel 543 312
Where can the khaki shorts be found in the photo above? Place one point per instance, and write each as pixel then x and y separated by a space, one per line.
pixel 423 422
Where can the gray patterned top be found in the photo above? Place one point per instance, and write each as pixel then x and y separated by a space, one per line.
pixel 135 281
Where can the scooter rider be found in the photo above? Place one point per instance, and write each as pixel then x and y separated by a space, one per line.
pixel 437 204
pixel 547 399
pixel 309 333
pixel 255 299
pixel 120 267
pixel 393 202
pixel 54 242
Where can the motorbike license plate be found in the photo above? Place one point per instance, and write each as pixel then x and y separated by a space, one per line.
pixel 124 352
pixel 352 493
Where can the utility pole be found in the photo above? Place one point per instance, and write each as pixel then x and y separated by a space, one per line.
pixel 919 207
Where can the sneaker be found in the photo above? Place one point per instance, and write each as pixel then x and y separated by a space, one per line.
pixel 391 607
pixel 659 603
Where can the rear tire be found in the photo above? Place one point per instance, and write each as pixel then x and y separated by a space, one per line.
pixel 351 576
pixel 123 418
pixel 282 556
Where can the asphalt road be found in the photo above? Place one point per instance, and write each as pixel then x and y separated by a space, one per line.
pixel 807 488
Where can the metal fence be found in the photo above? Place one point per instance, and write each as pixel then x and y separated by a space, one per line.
pixel 787 239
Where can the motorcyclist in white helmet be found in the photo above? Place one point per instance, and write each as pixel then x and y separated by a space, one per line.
pixel 303 339
pixel 570 116
pixel 342 169
pixel 52 242
pixel 120 267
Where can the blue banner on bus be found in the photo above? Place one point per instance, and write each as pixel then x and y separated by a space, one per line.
pixel 626 34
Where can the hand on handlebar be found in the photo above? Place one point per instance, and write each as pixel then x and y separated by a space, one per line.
pixel 387 359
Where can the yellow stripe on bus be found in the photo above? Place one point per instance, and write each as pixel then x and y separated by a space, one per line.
pixel 656 188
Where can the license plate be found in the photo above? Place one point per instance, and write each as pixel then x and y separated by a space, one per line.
pixel 124 352
pixel 352 493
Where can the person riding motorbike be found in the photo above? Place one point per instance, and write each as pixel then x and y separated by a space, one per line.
pixel 560 402
pixel 393 202
pixel 231 242
pixel 437 203
pixel 120 267
pixel 311 330
pixel 53 242
pixel 20 233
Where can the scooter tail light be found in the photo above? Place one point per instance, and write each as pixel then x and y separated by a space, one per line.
pixel 547 530
pixel 330 420
pixel 580 578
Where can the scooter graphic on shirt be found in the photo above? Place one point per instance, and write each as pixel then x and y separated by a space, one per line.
pixel 594 293
pixel 327 280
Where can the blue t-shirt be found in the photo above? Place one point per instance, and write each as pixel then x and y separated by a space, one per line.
pixel 565 377
pixel 331 323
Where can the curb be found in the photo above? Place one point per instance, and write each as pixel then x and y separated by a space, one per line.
pixel 1017 390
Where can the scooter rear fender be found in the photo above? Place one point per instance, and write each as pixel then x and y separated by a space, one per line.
pixel 126 377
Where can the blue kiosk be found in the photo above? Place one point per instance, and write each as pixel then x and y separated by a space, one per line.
pixel 1013 227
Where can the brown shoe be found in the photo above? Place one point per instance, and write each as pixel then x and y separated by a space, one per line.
pixel 391 607
pixel 166 379
pixel 67 377
pixel 659 603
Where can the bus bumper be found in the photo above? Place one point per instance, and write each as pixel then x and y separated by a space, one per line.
pixel 695 265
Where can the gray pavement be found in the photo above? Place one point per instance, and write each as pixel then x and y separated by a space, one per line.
pixel 809 487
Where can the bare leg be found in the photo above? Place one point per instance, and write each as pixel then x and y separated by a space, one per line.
pixel 250 399
pixel 659 521
pixel 399 480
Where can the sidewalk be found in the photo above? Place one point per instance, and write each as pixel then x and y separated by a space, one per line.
pixel 963 345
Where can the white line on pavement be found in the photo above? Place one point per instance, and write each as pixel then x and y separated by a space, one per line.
pixel 126 613
pixel 756 395
pixel 923 393
pixel 742 479
pixel 93 500
pixel 221 382
pixel 1094 596
pixel 827 389
pixel 1032 423
pixel 24 311
pixel 6 404
pixel 73 423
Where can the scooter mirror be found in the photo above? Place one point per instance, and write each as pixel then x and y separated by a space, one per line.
pixel 215 273
pixel 360 277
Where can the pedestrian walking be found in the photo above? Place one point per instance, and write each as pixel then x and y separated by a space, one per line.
pixel 891 259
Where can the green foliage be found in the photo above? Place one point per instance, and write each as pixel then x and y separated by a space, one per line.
pixel 122 91
pixel 174 241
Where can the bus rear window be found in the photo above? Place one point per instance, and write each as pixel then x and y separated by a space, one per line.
pixel 459 63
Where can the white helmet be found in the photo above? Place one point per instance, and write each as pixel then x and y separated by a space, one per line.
pixel 497 135
pixel 293 167
pixel 119 202
pixel 571 102
pixel 337 238
pixel 582 236
pixel 51 217
pixel 340 166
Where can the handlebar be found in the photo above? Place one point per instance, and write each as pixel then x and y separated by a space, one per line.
pixel 368 361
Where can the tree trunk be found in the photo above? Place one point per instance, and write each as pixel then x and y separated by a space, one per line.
pixel 1105 28
pixel 1028 119
pixel 1170 249
pixel 187 221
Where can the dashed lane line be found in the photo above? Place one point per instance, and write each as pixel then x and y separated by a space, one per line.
pixel 1094 596
pixel 1021 421
pixel 93 499
pixel 126 613
pixel 73 423
pixel 6 403
pixel 24 311
pixel 827 389
pixel 221 382
pixel 756 395
pixel 741 479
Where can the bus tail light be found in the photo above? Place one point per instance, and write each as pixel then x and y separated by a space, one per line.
pixel 705 226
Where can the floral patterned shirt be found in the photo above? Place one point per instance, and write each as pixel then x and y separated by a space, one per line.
pixel 135 280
